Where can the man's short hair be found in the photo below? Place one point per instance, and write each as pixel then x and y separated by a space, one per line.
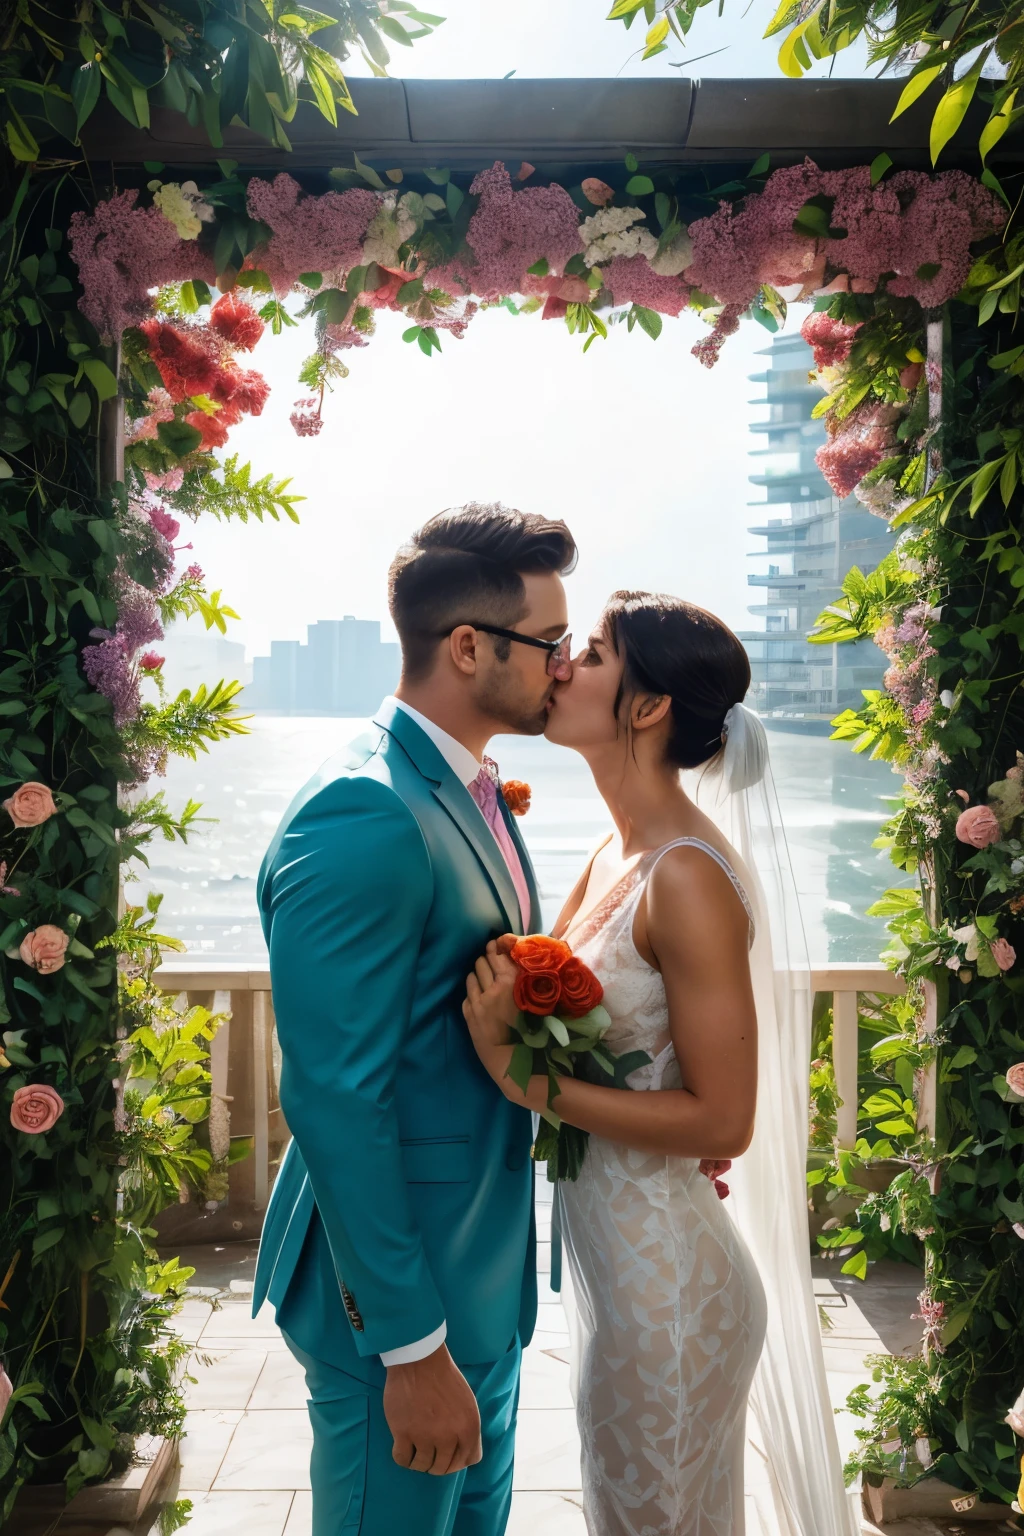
pixel 468 564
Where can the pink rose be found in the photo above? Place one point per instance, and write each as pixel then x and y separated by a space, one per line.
pixel 1003 953
pixel 30 805
pixel 6 1391
pixel 36 1108
pixel 43 948
pixel 978 826
pixel 597 192
pixel 1015 1079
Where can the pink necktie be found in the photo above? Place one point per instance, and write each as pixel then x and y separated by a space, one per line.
pixel 484 790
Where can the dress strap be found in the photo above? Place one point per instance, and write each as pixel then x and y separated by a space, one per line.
pixel 720 860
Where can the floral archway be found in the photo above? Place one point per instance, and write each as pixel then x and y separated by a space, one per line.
pixel 911 277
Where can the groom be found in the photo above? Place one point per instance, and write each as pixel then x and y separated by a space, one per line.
pixel 398 1249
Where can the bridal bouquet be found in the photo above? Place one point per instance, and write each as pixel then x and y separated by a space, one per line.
pixel 561 1027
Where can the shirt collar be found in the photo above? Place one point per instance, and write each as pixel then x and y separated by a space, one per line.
pixel 459 758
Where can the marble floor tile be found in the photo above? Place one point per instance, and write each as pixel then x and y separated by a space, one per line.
pixel 282 1383
pixel 208 1433
pixel 551 1319
pixel 544 1514
pixel 189 1322
pixel 231 1514
pixel 544 1382
pixel 300 1521
pixel 233 1320
pixel 224 1377
pixel 269 1449
pixel 547 1451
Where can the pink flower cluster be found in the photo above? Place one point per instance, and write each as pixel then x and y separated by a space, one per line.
pixel 857 444
pixel 830 339
pixel 306 419
pixel 121 252
pixel 307 233
pixel 511 231
pixel 913 229
pixel 631 281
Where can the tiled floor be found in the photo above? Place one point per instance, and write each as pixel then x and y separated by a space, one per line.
pixel 245 1455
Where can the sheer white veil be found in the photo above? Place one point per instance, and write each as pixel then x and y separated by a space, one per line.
pixel 799 1489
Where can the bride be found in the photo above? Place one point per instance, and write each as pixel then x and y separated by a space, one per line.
pixel 674 1295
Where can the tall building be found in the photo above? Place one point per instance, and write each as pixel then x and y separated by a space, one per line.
pixel 343 669
pixel 812 540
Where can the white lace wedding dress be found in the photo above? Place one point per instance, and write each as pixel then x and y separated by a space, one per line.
pixel 670 1312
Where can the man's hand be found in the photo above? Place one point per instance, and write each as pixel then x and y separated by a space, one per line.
pixel 433 1416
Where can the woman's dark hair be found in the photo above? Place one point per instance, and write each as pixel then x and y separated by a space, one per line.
pixel 467 565
pixel 675 648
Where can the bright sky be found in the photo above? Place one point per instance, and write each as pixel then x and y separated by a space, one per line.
pixel 640 449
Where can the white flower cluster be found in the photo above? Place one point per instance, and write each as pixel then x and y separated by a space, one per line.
pixel 610 233
pixel 182 206
pixel 389 228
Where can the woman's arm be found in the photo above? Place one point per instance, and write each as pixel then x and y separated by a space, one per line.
pixel 696 929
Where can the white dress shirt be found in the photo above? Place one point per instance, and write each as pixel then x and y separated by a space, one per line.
pixel 465 768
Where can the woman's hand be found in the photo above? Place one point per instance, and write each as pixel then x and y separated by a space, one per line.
pixel 490 1011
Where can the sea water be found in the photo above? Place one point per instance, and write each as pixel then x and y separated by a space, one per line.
pixel 832 803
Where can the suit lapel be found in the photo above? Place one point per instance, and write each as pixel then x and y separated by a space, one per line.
pixel 467 816
pixel 452 794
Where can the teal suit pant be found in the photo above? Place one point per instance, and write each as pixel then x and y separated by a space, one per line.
pixel 358 1490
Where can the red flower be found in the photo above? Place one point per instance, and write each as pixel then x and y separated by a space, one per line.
pixel 183 364
pixel 238 323
pixel 581 989
pixel 151 662
pixel 537 952
pixel 214 429
pixel 537 991
pixel 251 392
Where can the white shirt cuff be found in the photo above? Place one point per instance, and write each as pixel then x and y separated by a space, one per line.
pixel 418 1351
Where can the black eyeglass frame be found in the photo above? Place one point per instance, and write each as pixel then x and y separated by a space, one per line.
pixel 558 650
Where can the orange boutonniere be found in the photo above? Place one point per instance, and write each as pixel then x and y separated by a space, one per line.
pixel 516 794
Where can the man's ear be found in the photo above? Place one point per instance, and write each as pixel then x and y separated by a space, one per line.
pixel 649 709
pixel 462 649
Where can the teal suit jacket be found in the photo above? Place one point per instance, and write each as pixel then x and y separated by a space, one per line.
pixel 405 1196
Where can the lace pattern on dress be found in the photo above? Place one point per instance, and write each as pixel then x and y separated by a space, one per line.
pixel 669 1311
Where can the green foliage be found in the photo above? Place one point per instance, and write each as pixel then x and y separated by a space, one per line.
pixel 84 1320
pixel 937 39
pixel 213 62
pixel 947 607
pixel 235 494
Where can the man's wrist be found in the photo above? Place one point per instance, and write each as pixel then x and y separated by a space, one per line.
pixel 408 1354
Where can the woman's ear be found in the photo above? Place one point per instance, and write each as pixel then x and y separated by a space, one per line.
pixel 649 709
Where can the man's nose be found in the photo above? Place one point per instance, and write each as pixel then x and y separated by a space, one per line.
pixel 563 671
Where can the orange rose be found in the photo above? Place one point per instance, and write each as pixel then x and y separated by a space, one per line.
pixel 516 795
pixel 537 991
pixel 30 805
pixel 538 952
pixel 581 989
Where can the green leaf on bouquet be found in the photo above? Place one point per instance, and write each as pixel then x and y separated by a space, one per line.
pixel 593 1024
pixel 536 1039
pixel 628 1063
pixel 520 1068
pixel 557 1028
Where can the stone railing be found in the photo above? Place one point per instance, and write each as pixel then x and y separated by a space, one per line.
pixel 245 1064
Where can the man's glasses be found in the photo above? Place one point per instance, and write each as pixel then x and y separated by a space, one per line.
pixel 559 651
